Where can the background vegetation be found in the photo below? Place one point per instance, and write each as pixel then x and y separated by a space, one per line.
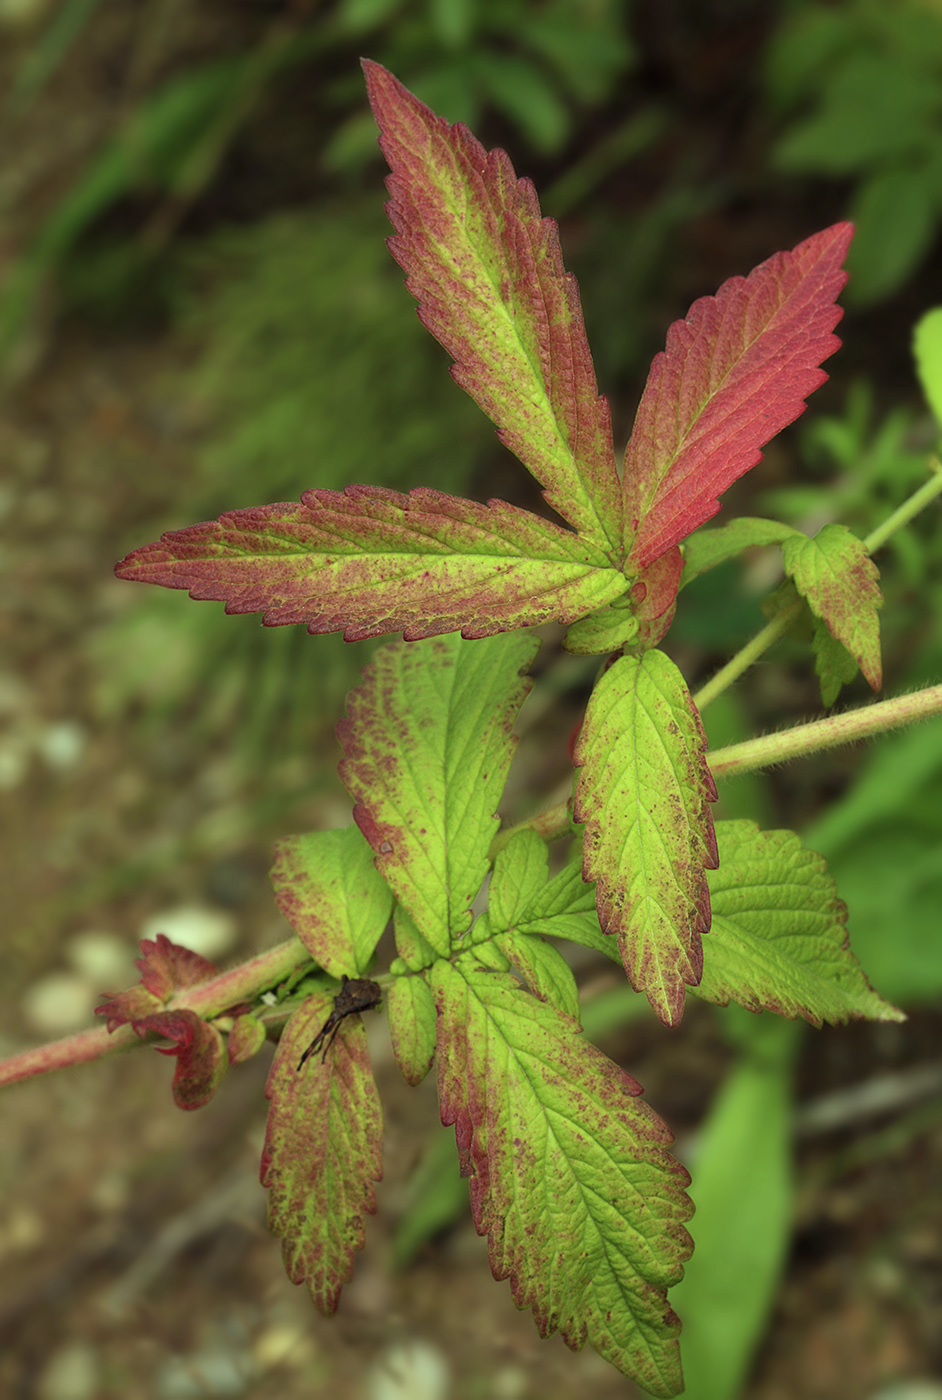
pixel 197 312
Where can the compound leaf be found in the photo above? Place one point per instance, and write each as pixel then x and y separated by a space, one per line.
pixel 322 1151
pixel 643 792
pixel 369 560
pixel 735 371
pixel 838 579
pixel 427 743
pixel 411 1010
pixel 571 1181
pixel 488 275
pixel 329 890
pixel 778 940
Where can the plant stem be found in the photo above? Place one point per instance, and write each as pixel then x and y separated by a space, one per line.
pixel 748 655
pixel 240 984
pixel 827 733
pixel 780 624
pixel 798 742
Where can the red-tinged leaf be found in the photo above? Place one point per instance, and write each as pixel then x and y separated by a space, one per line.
pixel 735 372
pixel 322 1151
pixel 245 1039
pixel 488 275
pixel 644 792
pixel 199 1050
pixel 329 890
pixel 369 560
pixel 121 1008
pixel 836 576
pixel 167 967
pixel 571 1180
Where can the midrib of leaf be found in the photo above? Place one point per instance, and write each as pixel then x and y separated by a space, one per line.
pixel 565 455
pixel 683 440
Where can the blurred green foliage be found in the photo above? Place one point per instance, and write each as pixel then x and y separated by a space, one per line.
pixel 857 88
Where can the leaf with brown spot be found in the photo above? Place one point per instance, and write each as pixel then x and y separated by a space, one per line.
pixel 643 792
pixel 322 1151
pixel 570 1177
pixel 487 272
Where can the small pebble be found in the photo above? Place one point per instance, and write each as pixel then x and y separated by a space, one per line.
pixel 209 932
pixel 59 1003
pixel 72 1374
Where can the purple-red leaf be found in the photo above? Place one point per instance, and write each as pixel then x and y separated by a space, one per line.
pixel 166 967
pixel 322 1151
pixel 121 1008
pixel 369 560
pixel 735 372
pixel 488 275
pixel 201 1055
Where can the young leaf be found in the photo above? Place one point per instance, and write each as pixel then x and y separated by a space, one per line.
pixel 412 1026
pixel 369 560
pixel 927 350
pixel 488 275
pixel 639 618
pixel 322 1151
pixel 707 548
pixel 200 1053
pixel 328 889
pixel 571 1180
pixel 245 1039
pixel 778 941
pixel 562 908
pixel 837 577
pixel 166 967
pixel 643 792
pixel 833 663
pixel 735 372
pixel 519 878
pixel 427 743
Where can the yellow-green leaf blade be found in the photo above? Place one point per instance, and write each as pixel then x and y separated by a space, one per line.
pixel 643 792
pixel 571 1179
pixel 837 577
pixel 778 940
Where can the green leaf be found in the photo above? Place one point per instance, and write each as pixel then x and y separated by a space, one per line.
pixel 413 948
pixel 412 1026
pixel 322 1151
pixel 328 889
pixel 895 214
pixel 838 579
pixel 833 663
pixel 428 744
pixel 708 548
pixel 643 793
pixel 778 940
pixel 245 1039
pixel 927 350
pixel 369 560
pixel 520 874
pixel 571 1180
pixel 437 1197
pixel 544 969
pixel 608 629
pixel 743 1192
pixel 487 272
pixel 563 907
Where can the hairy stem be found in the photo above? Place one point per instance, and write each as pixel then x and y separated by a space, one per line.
pixel 241 984
pixel 779 625
pixel 797 742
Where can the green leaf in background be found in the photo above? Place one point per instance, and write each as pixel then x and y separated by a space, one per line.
pixel 838 579
pixel 328 889
pixel 437 1197
pixel 411 1011
pixel 643 792
pixel 322 1151
pixel 742 1190
pixel 778 940
pixel 896 214
pixel 927 350
pixel 427 746
pixel 705 549
pixel 588 1221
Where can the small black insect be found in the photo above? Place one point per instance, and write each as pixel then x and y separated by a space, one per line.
pixel 356 994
